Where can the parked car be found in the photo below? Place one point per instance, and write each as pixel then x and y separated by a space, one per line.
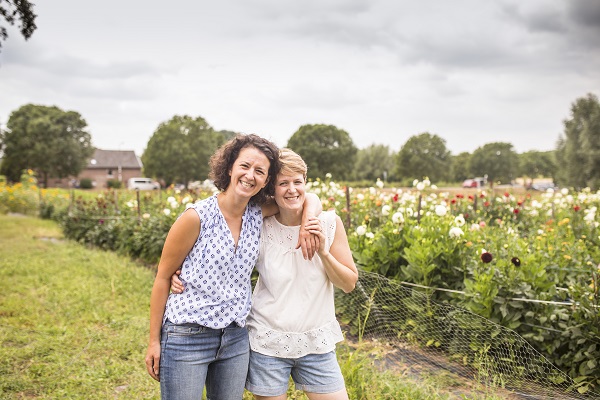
pixel 544 186
pixel 142 184
pixel 474 183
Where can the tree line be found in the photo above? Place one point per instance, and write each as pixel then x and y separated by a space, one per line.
pixel 56 143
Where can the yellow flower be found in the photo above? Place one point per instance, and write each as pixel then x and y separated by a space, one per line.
pixel 566 257
pixel 563 222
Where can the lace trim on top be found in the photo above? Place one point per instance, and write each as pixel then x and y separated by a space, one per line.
pixel 287 236
pixel 294 345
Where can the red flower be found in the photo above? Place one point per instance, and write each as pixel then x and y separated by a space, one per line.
pixel 395 197
pixel 470 197
pixel 481 196
pixel 506 194
pixel 453 201
pixel 486 257
pixel 516 261
pixel 487 204
pixel 466 215
pixel 576 208
pixel 516 210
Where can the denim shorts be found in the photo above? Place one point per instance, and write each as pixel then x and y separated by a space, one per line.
pixel 193 355
pixel 313 373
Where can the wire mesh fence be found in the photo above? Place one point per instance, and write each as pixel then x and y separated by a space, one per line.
pixel 419 331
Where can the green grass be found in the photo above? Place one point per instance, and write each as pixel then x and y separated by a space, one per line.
pixel 74 320
pixel 74 325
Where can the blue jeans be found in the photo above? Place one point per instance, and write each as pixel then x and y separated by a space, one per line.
pixel 192 355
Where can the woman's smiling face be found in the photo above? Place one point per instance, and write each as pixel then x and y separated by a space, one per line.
pixel 289 191
pixel 250 172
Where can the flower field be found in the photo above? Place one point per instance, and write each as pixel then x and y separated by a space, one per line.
pixel 527 262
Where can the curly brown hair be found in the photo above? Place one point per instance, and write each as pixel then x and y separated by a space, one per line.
pixel 222 161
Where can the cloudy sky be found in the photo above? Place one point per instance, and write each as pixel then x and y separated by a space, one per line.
pixel 470 71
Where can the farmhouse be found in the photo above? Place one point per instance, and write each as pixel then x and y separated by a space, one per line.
pixel 103 166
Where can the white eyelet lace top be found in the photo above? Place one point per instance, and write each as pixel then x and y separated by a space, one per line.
pixel 293 312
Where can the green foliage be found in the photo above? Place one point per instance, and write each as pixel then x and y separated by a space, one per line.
pixel 85 183
pixel 375 161
pixel 325 149
pixel 578 151
pixel 534 164
pixel 461 167
pixel 50 141
pixel 423 155
pixel 21 9
pixel 114 184
pixel 179 150
pixel 496 160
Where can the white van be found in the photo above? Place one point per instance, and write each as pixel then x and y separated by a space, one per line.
pixel 142 184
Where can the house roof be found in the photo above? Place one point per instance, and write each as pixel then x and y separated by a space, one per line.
pixel 114 159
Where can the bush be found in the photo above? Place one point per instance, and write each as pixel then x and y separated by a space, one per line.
pixel 114 184
pixel 85 183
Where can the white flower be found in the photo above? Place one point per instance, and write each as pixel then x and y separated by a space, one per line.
pixel 146 215
pixel 328 175
pixel 166 211
pixel 186 199
pixel 564 191
pixel 459 220
pixel 441 210
pixel 415 182
pixel 171 199
pixel 369 235
pixel 475 227
pixel 360 197
pixel 361 230
pixel 398 218
pixel 379 183
pixel 455 232
pixel 385 210
pixel 434 187
pixel 589 217
pixel 372 190
pixel 426 182
pixel 409 212
pixel 420 186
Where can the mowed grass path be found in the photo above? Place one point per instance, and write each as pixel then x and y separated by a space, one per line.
pixel 73 320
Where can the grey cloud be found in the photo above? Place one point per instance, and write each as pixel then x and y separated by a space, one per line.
pixel 586 12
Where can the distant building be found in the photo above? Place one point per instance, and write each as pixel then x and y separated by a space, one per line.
pixel 105 165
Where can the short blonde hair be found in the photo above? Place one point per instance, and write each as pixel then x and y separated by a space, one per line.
pixel 291 163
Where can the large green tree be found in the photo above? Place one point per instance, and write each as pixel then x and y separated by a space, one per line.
pixel 578 151
pixel 460 167
pixel 48 140
pixel 22 10
pixel 498 161
pixel 423 155
pixel 374 161
pixel 534 164
pixel 180 149
pixel 325 149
